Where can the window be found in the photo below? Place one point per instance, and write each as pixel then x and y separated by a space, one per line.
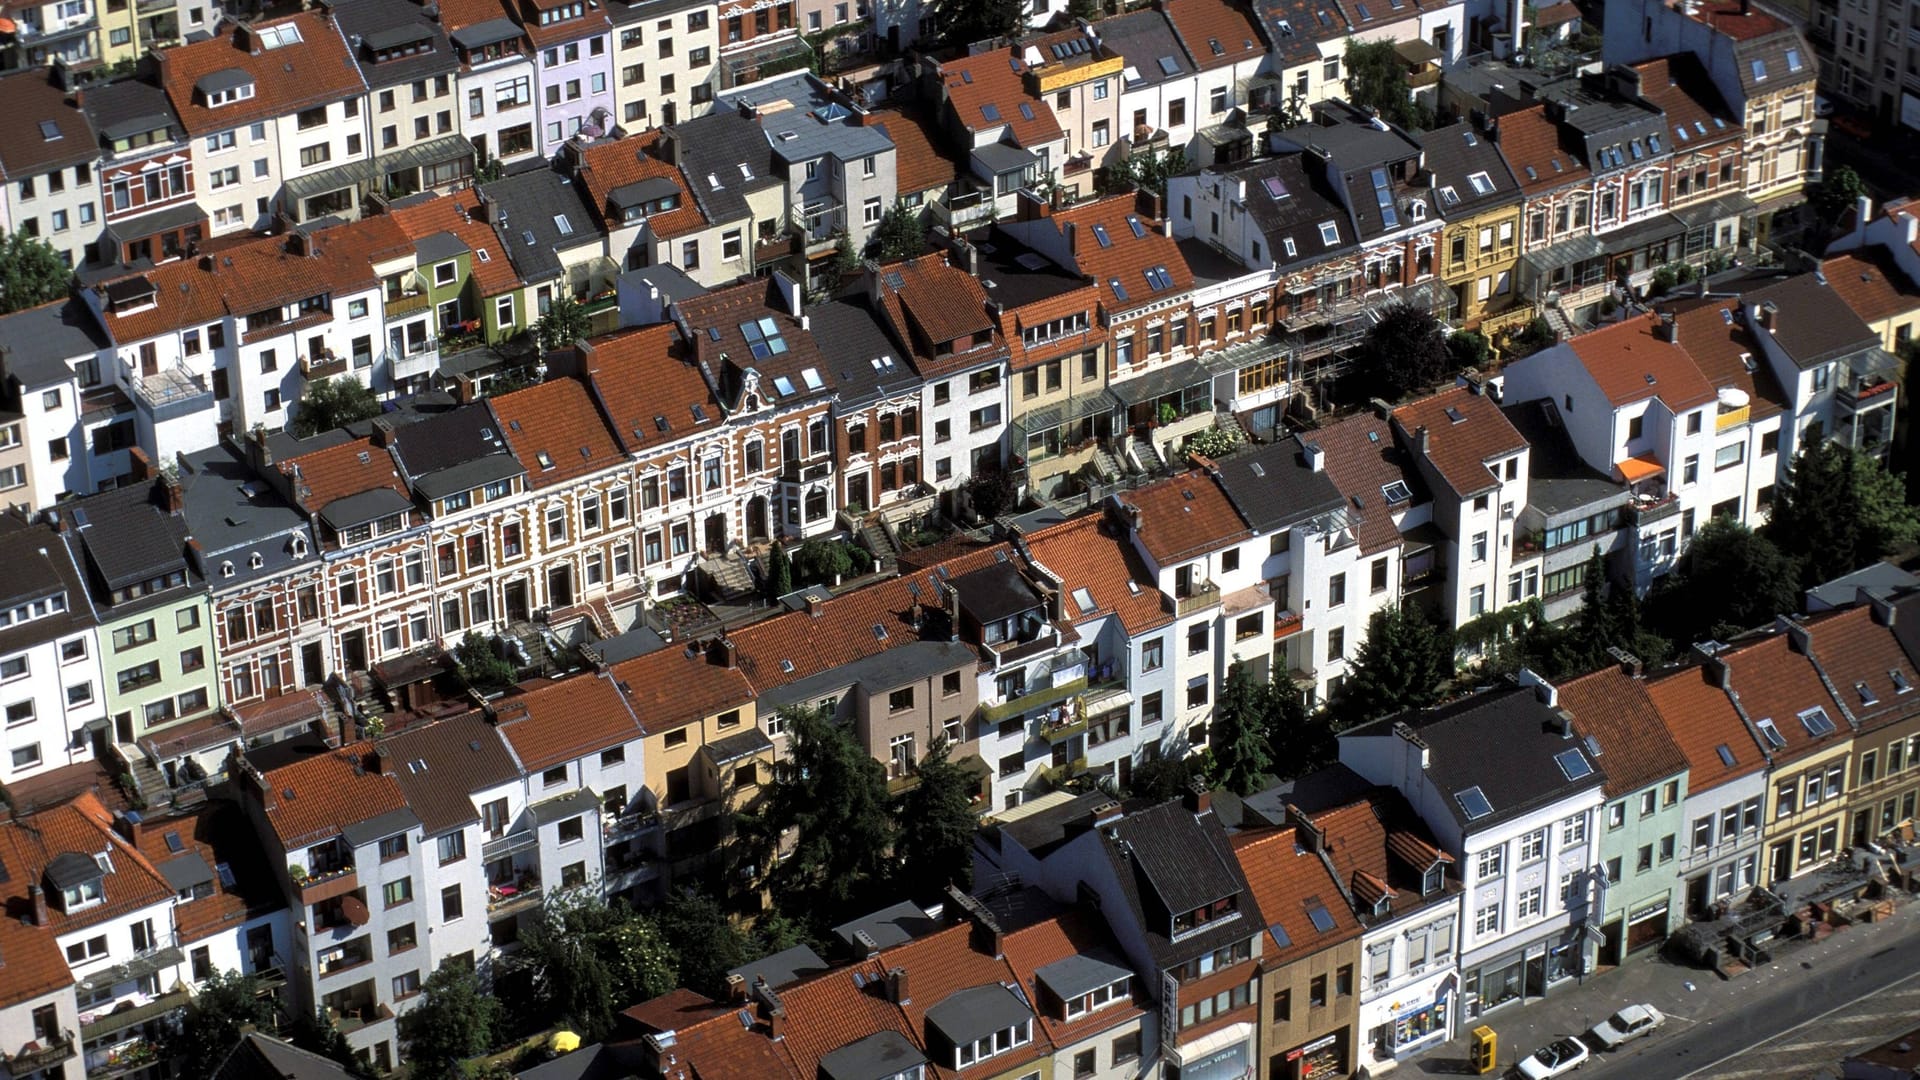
pixel 1337 590
pixel 1152 655
pixel 1573 830
pixel 450 904
pixel 1491 863
pixel 398 892
pixel 393 847
pixel 1532 902
pixel 1729 456
pixel 870 211
pixel 1487 920
pixel 574 828
pixel 1533 846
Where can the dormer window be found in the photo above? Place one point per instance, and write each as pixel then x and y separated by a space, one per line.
pixel 299 547
pixel 83 895
pixel 1434 879
pixel 562 13
pixel 255 562
pixel 226 569
pixel 224 87
pixel 1225 908
pixel 1098 998
pixel 78 880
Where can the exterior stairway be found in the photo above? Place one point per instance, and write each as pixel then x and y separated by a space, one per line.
pixel 730 575
pixel 1142 451
pixel 875 539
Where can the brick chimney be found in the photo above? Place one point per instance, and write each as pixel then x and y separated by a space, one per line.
pixel 1629 663
pixel 38 900
pixel 127 824
pixel 1668 328
pixel 721 653
pixel 772 1010
pixel 382 432
pixel 897 986
pixel 815 606
pixel 737 989
pixel 987 934
pixel 257 450
pixel 1199 797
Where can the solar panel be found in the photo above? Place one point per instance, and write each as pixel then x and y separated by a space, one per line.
pixel 1473 802
pixel 1573 764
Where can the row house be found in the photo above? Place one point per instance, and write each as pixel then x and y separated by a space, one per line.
pixel 156 637
pixel 937 311
pixel 574 46
pixel 546 230
pixel 758 40
pixel 1157 82
pixel 1387 505
pixel 130 31
pixel 1562 263
pixel 1764 70
pixel 1726 782
pixel 1638 406
pixel 1179 906
pixel 1225 44
pixel 650 217
pixel 1706 177
pixel 1310 1002
pixel 1623 141
pixel 1479 199
pixel 150 207
pixel 496 80
pixel 1645 812
pixel 46 34
pixel 877 410
pixel 837 169
pixel 1878 261
pixel 51 668
pixel 1838 381
pixel 48 155
pixel 414 114
pixel 728 165
pixel 1865 652
pixel 460 273
pixel 1072 69
pixel 664 60
pixel 267 104
pixel 1010 136
pixel 70 433
pixel 1515 798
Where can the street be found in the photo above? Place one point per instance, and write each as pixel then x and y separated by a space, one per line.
pixel 1793 1018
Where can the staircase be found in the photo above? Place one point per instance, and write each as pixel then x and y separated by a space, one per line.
pixel 1142 451
pixel 1557 319
pixel 148 780
pixel 873 536
pixel 730 575
pixel 1111 469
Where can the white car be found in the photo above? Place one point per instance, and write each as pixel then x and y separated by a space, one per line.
pixel 1557 1058
pixel 1627 1025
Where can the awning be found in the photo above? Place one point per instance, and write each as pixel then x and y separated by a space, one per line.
pixel 1067 412
pixel 173 217
pixel 1225 134
pixel 1219 1040
pixel 1160 382
pixel 1565 253
pixel 1416 51
pixel 1635 469
pixel 1652 230
pixel 445 148
pixel 1726 206
pixel 491 32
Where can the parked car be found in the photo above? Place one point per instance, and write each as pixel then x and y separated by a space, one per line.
pixel 1627 1025
pixel 1557 1058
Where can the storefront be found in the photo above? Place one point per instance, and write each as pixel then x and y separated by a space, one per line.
pixel 1324 1056
pixel 1411 1018
pixel 1531 971
pixel 1226 1054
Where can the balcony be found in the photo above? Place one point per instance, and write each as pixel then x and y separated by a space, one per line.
pixel 1033 698
pixel 1865 390
pixel 1065 771
pixel 415 361
pixel 172 392
pixel 353 1019
pixel 319 888
pixel 324 366
pixel 1732 418
pixel 514 843
pixel 1286 624
pixel 155 7
pixel 340 959
pixel 506 901
pixel 1200 596
pixel 94 1025
pixel 1058 728
pixel 40 1055
pixel 1647 509
pixel 963 211
pixel 1420 80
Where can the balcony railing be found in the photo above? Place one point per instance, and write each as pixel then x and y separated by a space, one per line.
pixel 173 386
pixel 507 900
pixel 413 363
pixel 1057 729
pixel 1648 510
pixel 121 1059
pixel 47 1052
pixel 1865 391
pixel 1418 80
pixel 1033 698
pixel 318 888
pixel 1286 624
pixel 1732 418
pixel 324 366
pixel 1201 596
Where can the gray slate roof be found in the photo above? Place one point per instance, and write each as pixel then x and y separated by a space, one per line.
pixel 1144 39
pixel 454 451
pixel 125 536
pixel 534 204
pixel 234 514
pixel 1814 326
pixel 38 345
pixel 713 147
pixel 128 107
pixel 783 967
pixel 857 340
pixel 1307 201
pixel 1453 155
pixel 372 25
pixel 818 125
pixel 1273 487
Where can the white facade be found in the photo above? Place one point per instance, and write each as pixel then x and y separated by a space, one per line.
pixel 52 689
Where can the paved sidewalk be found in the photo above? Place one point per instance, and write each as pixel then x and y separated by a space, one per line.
pixel 1689 996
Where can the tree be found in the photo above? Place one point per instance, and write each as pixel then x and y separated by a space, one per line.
pixel 588 959
pixel 564 323
pixel 314 1033
pixel 822 562
pixel 901 234
pixel 480 665
pixel 991 493
pixel 1377 79
pixel 964 22
pixel 1149 171
pixel 1298 741
pixel 833 795
pixel 1403 354
pixel 454 1021
pixel 1468 349
pixel 333 403
pixel 1404 663
pixel 1835 196
pixel 1089 10
pixel 226 1002
pixel 936 824
pixel 1162 778
pixel 31 273
pixel 1731 579
pixel 1838 510
pixel 704 940
pixel 779 571
pixel 1238 735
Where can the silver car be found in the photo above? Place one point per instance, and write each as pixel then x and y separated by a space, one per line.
pixel 1627 1025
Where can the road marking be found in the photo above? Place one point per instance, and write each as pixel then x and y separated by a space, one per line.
pixel 1804 1023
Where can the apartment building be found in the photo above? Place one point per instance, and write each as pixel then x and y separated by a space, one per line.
pixel 1522 829
pixel 1645 811
pixel 1310 1000
pixel 1157 82
pixel 414 113
pixel 269 103
pixel 48 154
pixel 496 80
pixel 1857 650
pixel 50 658
pixel 1479 199
pixel 67 437
pixel 49 34
pixel 837 170
pixel 1764 70
pixel 1224 43
pixel 147 198
pixel 1726 785
pixel 647 210
pixel 574 47
pixel 1405 892
pixel 728 165
pixel 1562 264
pixel 757 41
pixel 1836 376
pixel 1010 136
pixel 155 643
pixel 664 59
pixel 1177 903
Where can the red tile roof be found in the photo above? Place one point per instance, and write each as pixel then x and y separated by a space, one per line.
pixel 1718 346
pixel 1700 719
pixel 1366 838
pixel 459 213
pixel 310 800
pixel 1860 656
pixel 922 161
pixel 1631 364
pixel 985 92
pixel 1288 883
pixel 1459 450
pixel 1201 23
pixel 1527 137
pixel 1738 19
pixel 669 689
pixel 1134 245
pixel 556 432
pixel 317 70
pixel 647 388
pixel 1614 710
pixel 320 477
pixel 1679 87
pixel 1872 284
pixel 935 304
pixel 1777 682
pixel 1184 516
pixel 556 722
pixel 1071 933
pixel 1089 553
pixel 837 1011
pixel 606 166
pixel 1362 458
pixel 217 833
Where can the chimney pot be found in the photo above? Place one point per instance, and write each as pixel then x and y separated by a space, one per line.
pixel 1199 797
pixel 38 899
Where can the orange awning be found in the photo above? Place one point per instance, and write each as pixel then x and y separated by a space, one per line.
pixel 1635 469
